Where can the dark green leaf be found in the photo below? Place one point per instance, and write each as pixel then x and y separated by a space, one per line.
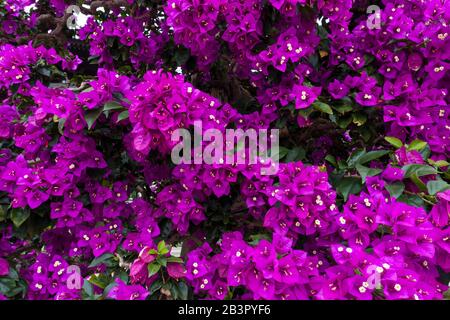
pixel 372 155
pixel 413 200
pixel 155 286
pixel 162 261
pixel 295 154
pixel 323 107
pixel 349 185
pixel 2 214
pixel 367 172
pixel 112 105
pixel 183 290
pixel 331 159
pixel 359 119
pixel 61 122
pixel 45 72
pixel 417 145
pixel 99 260
pixel 281 153
pixel 123 115
pixel 436 186
pixel 418 182
pixel 255 238
pixel 88 289
pixel 439 163
pixel 19 216
pixel 153 268
pixel 425 152
pixel 162 248
pixel 343 122
pixel 396 189
pixel 418 169
pixel 100 280
pixel 108 288
pixel 343 108
pixel 181 55
pixel 354 157
pixel 175 260
pixel 394 141
pixel 91 116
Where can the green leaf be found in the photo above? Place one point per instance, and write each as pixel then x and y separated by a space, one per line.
pixel 153 268
pixel 174 260
pixel 256 238
pixel 367 172
pixel 183 290
pixel 282 152
pixel 181 55
pixel 19 216
pixel 372 155
pixel 349 185
pixel 418 182
pixel 6 285
pixel 331 159
pixel 13 274
pixel 2 214
pixel 342 165
pixel 394 141
pixel 61 123
pixel 442 163
pixel 413 200
pixel 99 260
pixel 354 157
pixel 343 108
pixel 123 115
pixel 112 105
pixel 45 72
pixel 425 152
pixel 439 164
pixel 305 113
pixel 447 295
pixel 162 248
pixel 88 89
pixel 323 107
pixel 343 122
pixel 359 119
pixel 100 280
pixel 155 286
pixel 161 245
pixel 91 116
pixel 417 145
pixel 108 288
pixel 436 186
pixel 162 261
pixel 295 154
pixel 88 289
pixel 396 189
pixel 418 169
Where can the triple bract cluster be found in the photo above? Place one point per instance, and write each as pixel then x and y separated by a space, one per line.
pixel 85 170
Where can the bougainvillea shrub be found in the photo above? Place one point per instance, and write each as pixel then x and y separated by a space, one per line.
pixel 92 207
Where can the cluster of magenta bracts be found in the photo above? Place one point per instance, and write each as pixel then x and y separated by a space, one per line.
pixel 407 258
pixel 343 246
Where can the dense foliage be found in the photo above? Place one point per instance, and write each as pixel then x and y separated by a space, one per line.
pixel 86 177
